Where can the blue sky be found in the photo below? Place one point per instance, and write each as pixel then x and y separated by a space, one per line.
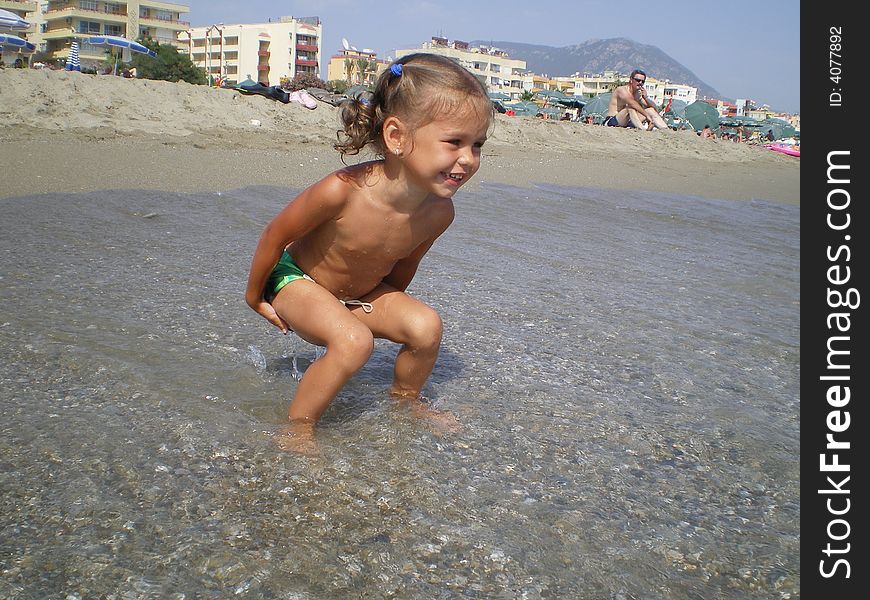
pixel 744 49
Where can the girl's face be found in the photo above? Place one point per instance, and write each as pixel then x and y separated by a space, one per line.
pixel 445 152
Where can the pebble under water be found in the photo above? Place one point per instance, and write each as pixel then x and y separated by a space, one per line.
pixel 624 365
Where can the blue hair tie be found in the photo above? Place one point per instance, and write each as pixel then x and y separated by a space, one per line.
pixel 396 69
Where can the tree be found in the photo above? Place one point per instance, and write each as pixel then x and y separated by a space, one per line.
pixel 527 96
pixel 348 69
pixel 169 65
pixel 337 86
pixel 303 81
pixel 362 65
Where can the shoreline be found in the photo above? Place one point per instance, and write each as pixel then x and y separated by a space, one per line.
pixel 69 132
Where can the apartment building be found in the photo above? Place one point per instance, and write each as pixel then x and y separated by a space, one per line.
pixel 356 67
pixel 25 10
pixel 493 67
pixel 263 52
pixel 62 21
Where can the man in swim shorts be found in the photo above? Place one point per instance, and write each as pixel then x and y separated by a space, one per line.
pixel 627 108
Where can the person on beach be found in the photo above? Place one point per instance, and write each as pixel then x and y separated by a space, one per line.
pixel 335 263
pixel 631 107
pixel 706 132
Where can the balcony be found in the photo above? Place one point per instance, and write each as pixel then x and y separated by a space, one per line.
pixel 262 67
pixel 59 34
pixel 14 5
pixel 163 22
pixel 263 53
pixel 307 47
pixel 85 13
pixel 302 62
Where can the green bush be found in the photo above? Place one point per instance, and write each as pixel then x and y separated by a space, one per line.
pixel 169 65
pixel 302 81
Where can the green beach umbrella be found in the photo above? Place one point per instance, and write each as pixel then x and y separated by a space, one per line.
pixel 779 127
pixel 677 108
pixel 597 106
pixel 524 108
pixel 699 113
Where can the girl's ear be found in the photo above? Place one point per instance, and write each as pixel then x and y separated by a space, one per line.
pixel 395 135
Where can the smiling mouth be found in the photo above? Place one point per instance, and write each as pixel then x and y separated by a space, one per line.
pixel 457 177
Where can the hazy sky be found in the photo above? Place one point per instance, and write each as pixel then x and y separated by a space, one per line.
pixel 744 49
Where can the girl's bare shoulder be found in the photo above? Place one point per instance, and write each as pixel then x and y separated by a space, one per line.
pixel 360 175
pixel 336 188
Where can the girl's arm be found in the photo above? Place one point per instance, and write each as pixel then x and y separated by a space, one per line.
pixel 313 207
pixel 405 269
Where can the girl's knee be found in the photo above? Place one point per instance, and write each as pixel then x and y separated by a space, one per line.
pixel 425 329
pixel 353 347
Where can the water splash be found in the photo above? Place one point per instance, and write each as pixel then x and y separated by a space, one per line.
pixel 257 357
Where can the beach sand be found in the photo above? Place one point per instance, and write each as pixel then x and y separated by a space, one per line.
pixel 72 132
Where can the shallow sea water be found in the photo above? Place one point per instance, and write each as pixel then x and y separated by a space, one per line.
pixel 625 367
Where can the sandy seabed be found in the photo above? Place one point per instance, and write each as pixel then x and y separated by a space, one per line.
pixel 71 132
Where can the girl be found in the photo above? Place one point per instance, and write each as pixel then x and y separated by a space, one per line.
pixel 334 264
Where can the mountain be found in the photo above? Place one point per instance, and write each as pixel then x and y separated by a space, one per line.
pixel 597 56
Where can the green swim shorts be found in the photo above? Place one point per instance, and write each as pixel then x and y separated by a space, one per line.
pixel 284 272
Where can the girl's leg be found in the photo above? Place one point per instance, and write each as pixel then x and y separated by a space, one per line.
pixel 317 317
pixel 398 317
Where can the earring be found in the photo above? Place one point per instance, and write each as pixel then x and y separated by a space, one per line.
pixel 398 152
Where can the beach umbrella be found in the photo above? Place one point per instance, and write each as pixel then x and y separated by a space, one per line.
pixel 699 113
pixel 676 108
pixel 9 41
pixel 73 64
pixel 524 108
pixel 597 106
pixel 736 120
pixel 552 94
pixel 9 20
pixel 119 42
pixel 572 101
pixel 778 127
pixel 498 96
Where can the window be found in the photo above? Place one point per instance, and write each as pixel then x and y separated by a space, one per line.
pixel 88 27
pixel 88 4
pixel 112 9
pixel 114 30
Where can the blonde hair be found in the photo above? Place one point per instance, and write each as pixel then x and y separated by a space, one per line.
pixel 417 88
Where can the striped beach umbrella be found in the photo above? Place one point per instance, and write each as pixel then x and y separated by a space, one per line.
pixel 73 63
pixel 13 42
pixel 119 42
pixel 9 20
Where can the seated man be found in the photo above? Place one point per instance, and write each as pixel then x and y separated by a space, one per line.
pixel 626 108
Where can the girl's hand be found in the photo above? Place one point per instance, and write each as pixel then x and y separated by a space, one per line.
pixel 265 310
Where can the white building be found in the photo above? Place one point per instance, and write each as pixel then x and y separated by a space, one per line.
pixel 493 67
pixel 659 91
pixel 263 52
